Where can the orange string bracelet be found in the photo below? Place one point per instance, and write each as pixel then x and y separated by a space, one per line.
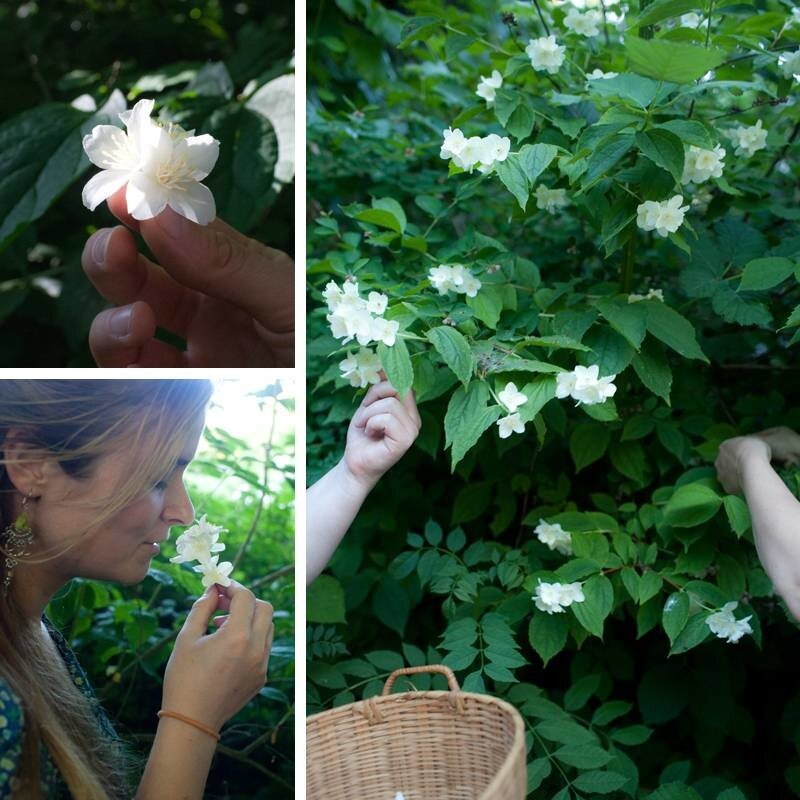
pixel 194 723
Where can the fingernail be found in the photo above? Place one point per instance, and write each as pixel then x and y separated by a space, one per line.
pixel 173 224
pixel 99 246
pixel 120 322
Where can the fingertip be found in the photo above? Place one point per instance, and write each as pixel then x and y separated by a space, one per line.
pixel 118 206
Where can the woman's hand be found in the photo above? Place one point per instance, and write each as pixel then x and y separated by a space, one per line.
pixel 229 297
pixel 381 431
pixel 734 454
pixel 210 677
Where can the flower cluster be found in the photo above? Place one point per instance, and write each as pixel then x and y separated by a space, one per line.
pixel 790 64
pixel 664 217
pixel 652 294
pixel 353 317
pixel 584 386
pixel 511 399
pixel 550 199
pixel 599 75
pixel 555 597
pixel 554 536
pixel 161 165
pixel 481 152
pixel 361 368
pixel 454 278
pixel 546 54
pixel 749 140
pixel 487 87
pixel 197 543
pixel 700 164
pixel 587 24
pixel 724 625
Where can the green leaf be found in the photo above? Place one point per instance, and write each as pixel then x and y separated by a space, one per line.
pixel 396 364
pixel 487 304
pixel 534 159
pixel 628 459
pixel 691 504
pixel 40 156
pixel 675 615
pixel 325 601
pixel 547 634
pixel 588 442
pixel 608 712
pixel 674 791
pixel 418 28
pixel 592 612
pixel 733 307
pixel 391 605
pixel 689 132
pixel 664 149
pixel 639 90
pixel 673 329
pixel 671 61
pixel 695 633
pixel 386 213
pixel 628 319
pixel 764 273
pixel 738 514
pixel 513 178
pixel 467 417
pixel 653 370
pixel 600 782
pixel 607 154
pixel 583 756
pixel 454 349
pixel 664 9
pixel 632 735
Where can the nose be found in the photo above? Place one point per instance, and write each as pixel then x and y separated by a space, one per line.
pixel 178 508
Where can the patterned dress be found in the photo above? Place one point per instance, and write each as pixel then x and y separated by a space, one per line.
pixel 12 721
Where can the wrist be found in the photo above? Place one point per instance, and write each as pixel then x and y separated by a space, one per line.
pixel 356 483
pixel 753 455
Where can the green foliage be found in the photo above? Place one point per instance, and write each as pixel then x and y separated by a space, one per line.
pixel 627 693
pixel 123 636
pixel 202 62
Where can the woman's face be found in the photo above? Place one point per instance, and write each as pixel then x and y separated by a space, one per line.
pixel 121 548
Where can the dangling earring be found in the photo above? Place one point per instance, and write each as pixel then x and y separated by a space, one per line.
pixel 17 538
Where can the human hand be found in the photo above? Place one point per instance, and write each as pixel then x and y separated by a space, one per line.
pixel 734 454
pixel 209 677
pixel 229 297
pixel 783 442
pixel 381 431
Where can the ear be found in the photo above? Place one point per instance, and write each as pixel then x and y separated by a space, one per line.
pixel 28 467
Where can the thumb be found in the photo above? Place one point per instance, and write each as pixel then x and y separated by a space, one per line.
pixel 218 261
pixel 199 617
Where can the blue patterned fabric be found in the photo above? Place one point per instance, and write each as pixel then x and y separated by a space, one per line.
pixel 12 721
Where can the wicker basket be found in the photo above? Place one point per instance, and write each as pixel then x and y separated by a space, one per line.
pixel 438 745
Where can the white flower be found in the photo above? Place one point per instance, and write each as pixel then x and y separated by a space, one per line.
pixel 555 597
pixel 554 536
pixel 454 141
pixel 376 302
pixel 384 330
pixel 512 398
pixel 724 625
pixel 353 317
pixel 664 217
pixel 454 278
pixel 585 24
pixel 545 54
pixel 700 165
pixel 550 199
pixel 487 87
pixel 584 385
pixel 275 100
pixel 495 148
pixel 481 152
pixel 652 294
pixel 790 64
pixel 215 573
pixel 198 542
pixel 361 368
pixel 691 20
pixel 511 424
pixel 162 166
pixel 749 140
pixel 599 75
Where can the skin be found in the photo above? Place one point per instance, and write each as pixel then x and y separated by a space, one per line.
pixel 743 467
pixel 209 677
pixel 229 297
pixel 381 431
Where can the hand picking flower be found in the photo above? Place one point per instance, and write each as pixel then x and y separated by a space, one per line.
pixel 749 140
pixel 725 626
pixel 584 385
pixel 454 278
pixel 161 165
pixel 546 54
pixel 353 317
pixel 487 87
pixel 361 368
pixel 554 598
pixel 664 217
pixel 554 536
pixel 197 543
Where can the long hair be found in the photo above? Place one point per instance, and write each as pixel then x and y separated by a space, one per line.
pixel 75 422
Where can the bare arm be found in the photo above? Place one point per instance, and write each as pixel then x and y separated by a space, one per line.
pixel 381 431
pixel 743 465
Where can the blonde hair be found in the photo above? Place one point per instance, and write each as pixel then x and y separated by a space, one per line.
pixel 75 422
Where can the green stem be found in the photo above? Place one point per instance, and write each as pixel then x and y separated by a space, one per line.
pixel 708 26
pixel 626 273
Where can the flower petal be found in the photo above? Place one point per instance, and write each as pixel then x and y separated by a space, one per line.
pixel 102 186
pixel 201 153
pixel 193 201
pixel 109 148
pixel 140 127
pixel 145 197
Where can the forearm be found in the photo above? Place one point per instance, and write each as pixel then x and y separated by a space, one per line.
pixel 775 514
pixel 178 764
pixel 332 504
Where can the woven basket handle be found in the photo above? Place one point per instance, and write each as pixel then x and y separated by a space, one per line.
pixel 440 668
